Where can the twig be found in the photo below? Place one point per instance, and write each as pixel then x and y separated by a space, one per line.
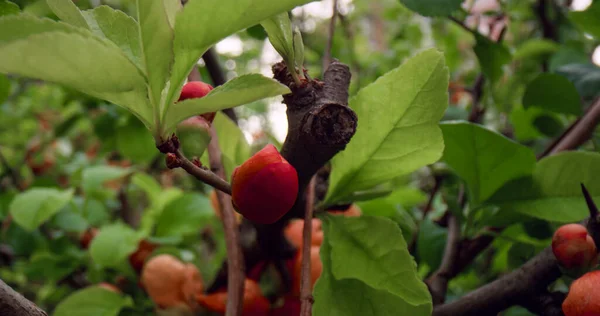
pixel 14 304
pixel 590 202
pixel 477 111
pixel 327 54
pixel 203 175
pixel 461 24
pixel 235 260
pixel 211 59
pixel 306 286
pixel 578 133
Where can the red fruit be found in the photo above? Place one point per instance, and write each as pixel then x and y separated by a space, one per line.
pixel 293 232
pixel 170 282
pixel 197 89
pixel 316 268
pixel 254 304
pixel 138 258
pixel 264 187
pixel 291 307
pixel 573 247
pixel 86 238
pixel 584 296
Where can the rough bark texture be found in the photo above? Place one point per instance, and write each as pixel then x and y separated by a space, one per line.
pixel 14 304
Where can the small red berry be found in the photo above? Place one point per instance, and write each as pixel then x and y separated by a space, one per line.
pixel 584 296
pixel 194 90
pixel 264 187
pixel 574 248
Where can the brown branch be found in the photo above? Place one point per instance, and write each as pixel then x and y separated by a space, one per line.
pixel 235 260
pixel 14 304
pixel 202 174
pixel 306 286
pixel 330 34
pixel 211 60
pixel 438 282
pixel 578 133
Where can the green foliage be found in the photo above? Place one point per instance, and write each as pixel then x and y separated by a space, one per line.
pixel 484 159
pixel 8 8
pixel 554 93
pixel 380 279
pixel 492 57
pixel 4 88
pixel 93 301
pixel 113 244
pixel 535 48
pixel 184 216
pixel 553 191
pixel 33 207
pixel 433 7
pixel 588 20
pixel 93 178
pixel 279 30
pixel 391 111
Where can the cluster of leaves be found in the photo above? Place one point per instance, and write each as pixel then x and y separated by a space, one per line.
pixel 372 265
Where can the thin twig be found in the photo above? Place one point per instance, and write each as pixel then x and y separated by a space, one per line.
pixel 203 175
pixel 14 304
pixel 590 202
pixel 306 286
pixel 580 131
pixel 235 260
pixel 327 54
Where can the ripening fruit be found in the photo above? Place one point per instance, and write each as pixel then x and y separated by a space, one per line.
pixel 254 304
pixel 264 187
pixel 194 136
pixel 352 211
pixel 86 237
pixel 574 248
pixel 194 90
pixel 584 296
pixel 293 232
pixel 170 282
pixel 138 258
pixel 316 268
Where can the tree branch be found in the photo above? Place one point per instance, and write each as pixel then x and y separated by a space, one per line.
pixel 202 174
pixel 306 286
pixel 235 260
pixel 14 304
pixel 327 54
pixel 578 133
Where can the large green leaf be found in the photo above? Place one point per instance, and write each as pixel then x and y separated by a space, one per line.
pixel 348 271
pixel 32 208
pixel 433 7
pixel 93 301
pixel 241 90
pixel 492 56
pixel 588 20
pixel 585 77
pixel 8 8
pixel 398 126
pixel 484 159
pixel 16 27
pixel 4 88
pixel 184 216
pixel 202 23
pixel 117 27
pixel 67 11
pixel 157 42
pixel 80 62
pixel 113 244
pixel 553 192
pixel 535 47
pixel 554 93
pixel 279 30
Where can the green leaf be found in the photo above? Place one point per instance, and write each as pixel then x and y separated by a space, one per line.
pixel 117 27
pixel 298 49
pixel 234 147
pixel 554 93
pixel 147 183
pixel 522 121
pixel 113 244
pixel 588 20
pixel 535 48
pixel 548 125
pixel 67 11
pixel 82 63
pixel 553 192
pixel 398 126
pixel 184 216
pixel 351 266
pixel 431 242
pixel 8 8
pixel 203 23
pixel 157 42
pixel 279 30
pixel 586 78
pixel 21 26
pixel 433 7
pixel 4 88
pixel 492 57
pixel 135 142
pixel 32 208
pixel 93 301
pixel 94 177
pixel 241 90
pixel 484 159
